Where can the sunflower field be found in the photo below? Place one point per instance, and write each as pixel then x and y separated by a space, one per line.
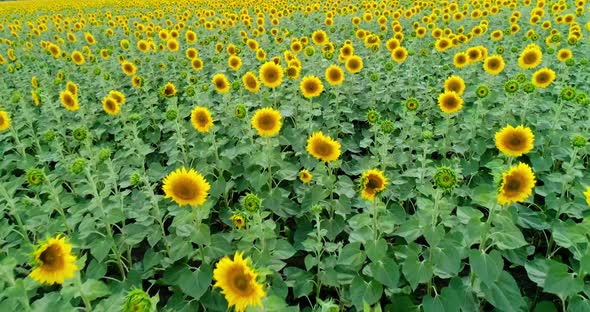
pixel 295 155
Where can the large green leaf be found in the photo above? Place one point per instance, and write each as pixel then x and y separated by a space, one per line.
pixel 504 294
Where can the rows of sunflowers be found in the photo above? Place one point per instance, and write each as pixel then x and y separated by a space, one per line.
pixel 339 155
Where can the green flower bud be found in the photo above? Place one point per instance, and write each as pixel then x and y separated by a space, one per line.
pixel 521 78
pixel 183 74
pixel 427 135
pixel 138 300
pixel 389 66
pixel 215 59
pixel 49 135
pixel 171 114
pixel 412 104
pixel 423 52
pixel 445 178
pixel 80 133
pixel 387 126
pixel 104 154
pixel 446 67
pixel 134 117
pixel 579 141
pixel 16 96
pixel 316 209
pixel 528 87
pixel 251 202
pixel 500 50
pixel 10 69
pixel 193 79
pixel 205 87
pixel 135 179
pixel 482 91
pixel 240 111
pixel 235 85
pixel 171 58
pixel 84 70
pixel 97 71
pixel 78 165
pixel 550 50
pixel 511 86
pixel 56 81
pixel 568 93
pixel 570 62
pixel 535 37
pixel 374 77
pixel 572 41
pixel 514 49
pixel 190 91
pixel 106 76
pixel 328 55
pixel 582 98
pixel 373 116
pixel 35 176
pixel 583 61
pixel 556 38
pixel 309 51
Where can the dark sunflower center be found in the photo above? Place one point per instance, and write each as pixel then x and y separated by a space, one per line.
pixel 513 184
pixel 220 84
pixel 266 122
pixel 353 64
pixel 450 102
pixel 373 183
pixel 335 75
pixel 323 148
pixel 493 64
pixel 183 190
pixel 251 82
pixel 51 257
pixel 202 118
pixel 241 282
pixel 530 58
pixel 271 75
pixel 542 77
pixel 311 87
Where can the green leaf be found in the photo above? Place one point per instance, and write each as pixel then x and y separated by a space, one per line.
pixel 365 292
pixel 446 258
pixel 351 256
pixel 196 283
pixel 417 272
pixel 376 250
pixel 486 267
pixel 560 282
pixel 94 289
pixel 545 306
pixel 432 304
pixel 301 281
pixel 386 271
pixel 504 294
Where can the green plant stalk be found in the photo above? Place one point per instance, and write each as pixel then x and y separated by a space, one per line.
pixel 19 145
pixel 15 214
pixel 197 218
pixel 269 168
pixel 485 234
pixel 375 214
pixel 120 196
pixel 180 142
pixel 434 223
pixel 114 248
pixel 58 207
pixel 318 281
pixel 87 304
pixel 154 201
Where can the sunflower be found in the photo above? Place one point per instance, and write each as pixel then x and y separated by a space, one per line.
pixel 197 64
pixel 455 84
pixel 271 74
pixel 201 119
pixel 238 220
pixel 238 284
pixel 442 44
pixel 530 57
pixel 450 102
pixel 117 96
pixel 517 184
pixel 69 101
pixel 221 83
pixel 78 58
pixel 354 64
pixel 234 62
pixel 54 261
pixel 587 195
pixel 293 72
pixel 169 90
pixel 136 81
pixel 473 54
pixel 305 176
pixel 172 45
pixel 564 55
pixel 311 86
pixel 494 64
pixel 72 87
pixel 128 68
pixel 399 54
pixel 372 183
pixel 460 60
pixel 250 82
pixel 267 121
pixel 543 77
pixel 111 106
pixel 319 37
pixel 334 75
pixel 186 187
pixel 323 147
pixel 515 141
pixel 4 120
pixel 143 46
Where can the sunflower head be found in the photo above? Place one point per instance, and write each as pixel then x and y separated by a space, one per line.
pixel 138 300
pixel 305 176
pixel 450 102
pixel 482 91
pixel 543 77
pixel 311 86
pixel 251 202
pixel 111 106
pixel 445 178
pixel 186 187
pixel 399 54
pixel 515 141
pixel 35 176
pixel 201 119
pixel 373 116
pixel 271 74
pixel 587 195
pixel 354 64
pixel 267 121
pixel 323 147
pixel 54 261
pixel 238 220
pixel 517 184
pixel 4 120
pixel 455 84
pixel 69 101
pixel 460 60
pixel 494 64
pixel 117 96
pixel 511 86
pixel 530 57
pixel 578 141
pixel 238 284
pixel 169 90
pixel 373 182
pixel 221 83
pixel 334 75
pixel 251 82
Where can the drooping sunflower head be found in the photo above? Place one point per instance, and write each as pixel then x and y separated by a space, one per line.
pixel 201 119
pixel 543 77
pixel 515 141
pixel 373 181
pixel 138 300
pixel 136 81
pixel 251 82
pixel 323 147
pixel 221 83
pixel 305 176
pixel 54 261
pixel 111 106
pixel 169 90
pixel 517 184
pixel 494 64
pixel 271 74
pixel 311 86
pixel 450 102
pixel 251 202
pixel 455 84
pixel 4 120
pixel 354 64
pixel 69 101
pixel 186 187
pixel 334 75
pixel 267 121
pixel 238 284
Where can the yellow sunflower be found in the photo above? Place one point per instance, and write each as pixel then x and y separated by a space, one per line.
pixel 515 141
pixel 128 68
pixel 78 58
pixel 169 90
pixel 323 147
pixel 201 119
pixel 267 121
pixel 450 102
pixel 234 62
pixel 54 261
pixel 72 87
pixel 455 84
pixel 117 96
pixel 543 77
pixel 197 64
pixel 399 54
pixel 250 82
pixel 473 54
pixel 186 187
pixel 587 195
pixel 111 106
pixel 238 284
pixel 4 120
pixel 69 101
pixel 305 176
pixel 460 60
pixel 311 86
pixel 530 57
pixel 494 64
pixel 354 64
pixel 372 182
pixel 564 55
pixel 319 37
pixel 271 74
pixel 220 83
pixel 238 220
pixel 517 184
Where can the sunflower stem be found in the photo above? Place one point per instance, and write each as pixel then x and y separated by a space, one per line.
pixel 485 234
pixel 159 214
pixel 374 214
pixel 58 208
pixel 87 305
pixel 19 222
pixel 198 219
pixel 269 168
